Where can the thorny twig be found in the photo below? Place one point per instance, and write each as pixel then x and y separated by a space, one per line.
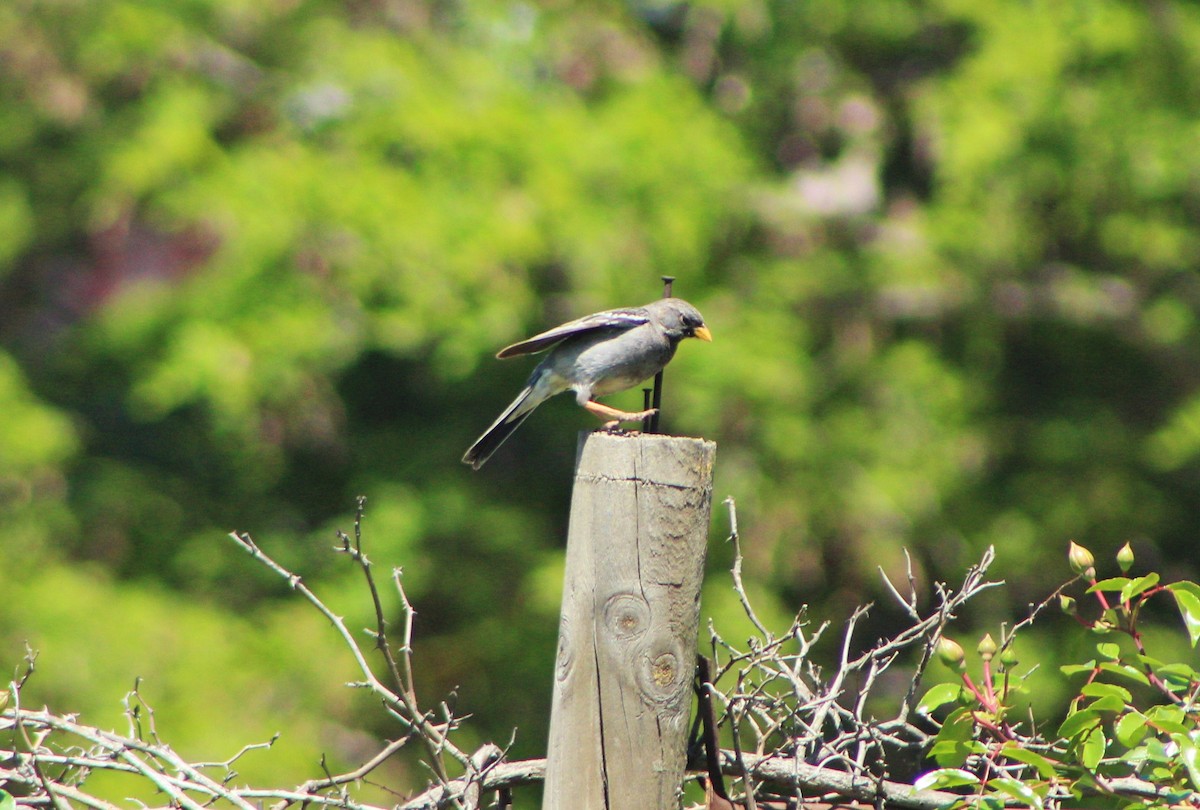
pixel 789 711
pixel 432 736
pixel 79 750
pixel 400 704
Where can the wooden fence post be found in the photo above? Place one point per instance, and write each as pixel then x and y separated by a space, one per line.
pixel 627 637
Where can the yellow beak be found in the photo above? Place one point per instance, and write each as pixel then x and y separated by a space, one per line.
pixel 703 333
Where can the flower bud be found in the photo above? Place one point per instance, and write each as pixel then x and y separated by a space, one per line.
pixel 1125 558
pixel 1067 605
pixel 950 653
pixel 1082 561
pixel 1008 658
pixel 987 647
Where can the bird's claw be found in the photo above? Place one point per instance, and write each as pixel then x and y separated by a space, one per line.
pixel 614 425
pixel 615 429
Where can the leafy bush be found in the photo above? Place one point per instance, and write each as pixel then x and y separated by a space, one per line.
pixel 1132 728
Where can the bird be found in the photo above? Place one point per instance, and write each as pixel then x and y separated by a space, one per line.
pixel 596 355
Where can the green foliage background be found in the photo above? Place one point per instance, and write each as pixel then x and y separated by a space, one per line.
pixel 255 257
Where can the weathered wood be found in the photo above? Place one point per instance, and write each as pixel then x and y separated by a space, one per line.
pixel 627 639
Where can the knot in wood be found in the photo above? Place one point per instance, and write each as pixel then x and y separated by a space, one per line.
pixel 660 678
pixel 663 669
pixel 626 615
pixel 566 652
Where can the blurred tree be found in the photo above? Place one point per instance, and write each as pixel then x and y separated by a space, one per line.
pixel 254 258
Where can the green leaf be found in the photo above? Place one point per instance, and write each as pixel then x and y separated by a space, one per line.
pixel 1185 585
pixel 1138 586
pixel 1045 767
pixel 1177 675
pixel 1131 729
pixel 1098 690
pixel 1147 660
pixel 1162 773
pixel 950 748
pixel 1169 726
pixel 938 695
pixel 945 778
pixel 7 802
pixel 1136 757
pixel 1155 751
pixel 1078 722
pixel 1125 671
pixel 1189 609
pixel 1113 584
pixel 1092 748
pixel 1168 717
pixel 1190 756
pixel 949 753
pixel 1109 650
pixel 1077 669
pixel 1108 703
pixel 1018 790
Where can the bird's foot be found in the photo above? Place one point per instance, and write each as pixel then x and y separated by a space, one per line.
pixel 614 428
pixel 613 418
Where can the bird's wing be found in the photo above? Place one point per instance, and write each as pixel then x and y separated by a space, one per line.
pixel 611 319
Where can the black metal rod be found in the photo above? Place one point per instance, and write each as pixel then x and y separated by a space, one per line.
pixel 708 717
pixel 668 281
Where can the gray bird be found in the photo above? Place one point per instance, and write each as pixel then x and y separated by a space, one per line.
pixel 594 356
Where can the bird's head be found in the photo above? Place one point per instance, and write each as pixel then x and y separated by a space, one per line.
pixel 680 319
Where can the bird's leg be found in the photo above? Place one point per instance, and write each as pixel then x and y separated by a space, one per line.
pixel 613 418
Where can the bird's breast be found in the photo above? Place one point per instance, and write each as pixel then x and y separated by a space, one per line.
pixel 621 361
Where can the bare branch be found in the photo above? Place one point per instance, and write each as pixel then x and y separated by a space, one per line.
pixel 403 704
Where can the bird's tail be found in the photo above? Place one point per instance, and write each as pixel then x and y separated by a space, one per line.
pixel 503 427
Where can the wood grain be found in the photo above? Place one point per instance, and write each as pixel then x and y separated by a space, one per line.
pixel 627 636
